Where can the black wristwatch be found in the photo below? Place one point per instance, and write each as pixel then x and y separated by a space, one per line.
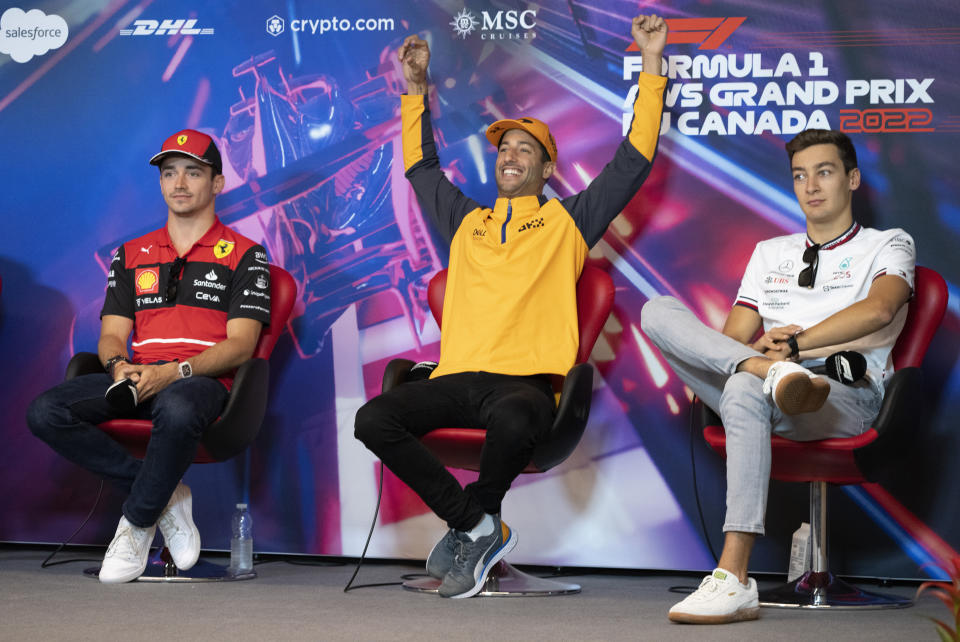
pixel 794 348
pixel 112 361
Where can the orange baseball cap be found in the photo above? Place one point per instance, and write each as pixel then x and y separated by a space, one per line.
pixel 536 128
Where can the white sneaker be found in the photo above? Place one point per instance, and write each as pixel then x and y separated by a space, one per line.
pixel 720 599
pixel 180 534
pixel 126 557
pixel 795 389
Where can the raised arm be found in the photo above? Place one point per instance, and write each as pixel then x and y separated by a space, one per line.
pixel 441 201
pixel 595 207
pixel 414 55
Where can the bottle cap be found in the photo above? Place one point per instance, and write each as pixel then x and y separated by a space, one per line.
pixel 242 506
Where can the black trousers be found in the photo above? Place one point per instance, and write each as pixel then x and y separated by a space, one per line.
pixel 515 411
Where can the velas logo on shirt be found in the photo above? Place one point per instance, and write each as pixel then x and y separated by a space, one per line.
pixel 223 248
pixel 147 280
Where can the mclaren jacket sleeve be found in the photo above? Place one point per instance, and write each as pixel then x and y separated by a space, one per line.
pixel 595 207
pixel 440 199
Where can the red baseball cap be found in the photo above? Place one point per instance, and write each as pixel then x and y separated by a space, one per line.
pixel 536 128
pixel 194 144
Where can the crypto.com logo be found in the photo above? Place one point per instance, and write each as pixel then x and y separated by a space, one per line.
pixel 709 33
pixel 166 28
pixel 275 25
pixel 24 35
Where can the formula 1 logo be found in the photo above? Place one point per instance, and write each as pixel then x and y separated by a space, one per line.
pixel 166 28
pixel 275 25
pixel 709 33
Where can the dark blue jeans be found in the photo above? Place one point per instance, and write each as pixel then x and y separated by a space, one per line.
pixel 66 417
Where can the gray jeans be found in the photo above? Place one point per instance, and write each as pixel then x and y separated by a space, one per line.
pixel 707 361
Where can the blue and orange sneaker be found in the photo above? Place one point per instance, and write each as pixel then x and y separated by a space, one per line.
pixel 474 560
pixel 441 557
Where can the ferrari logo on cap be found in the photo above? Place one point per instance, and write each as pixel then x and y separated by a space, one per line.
pixel 223 248
pixel 182 139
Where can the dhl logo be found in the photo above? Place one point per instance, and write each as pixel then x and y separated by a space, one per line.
pixel 709 33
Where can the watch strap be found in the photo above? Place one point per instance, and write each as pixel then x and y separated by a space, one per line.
pixel 794 348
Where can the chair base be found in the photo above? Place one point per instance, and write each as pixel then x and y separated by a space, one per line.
pixel 160 568
pixel 824 590
pixel 504 581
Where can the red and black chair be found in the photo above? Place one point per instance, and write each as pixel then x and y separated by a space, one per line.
pixel 227 437
pixel 853 460
pixel 460 447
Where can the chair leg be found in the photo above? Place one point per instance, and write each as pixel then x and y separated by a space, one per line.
pixel 818 588
pixel 160 568
pixel 504 581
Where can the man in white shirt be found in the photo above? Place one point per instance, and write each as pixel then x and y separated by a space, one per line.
pixel 838 287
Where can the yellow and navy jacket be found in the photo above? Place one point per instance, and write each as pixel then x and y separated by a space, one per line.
pixel 510 304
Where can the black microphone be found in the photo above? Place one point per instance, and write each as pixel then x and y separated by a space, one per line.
pixel 421 370
pixel 846 366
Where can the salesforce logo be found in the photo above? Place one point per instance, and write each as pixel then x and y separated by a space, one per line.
pixel 24 35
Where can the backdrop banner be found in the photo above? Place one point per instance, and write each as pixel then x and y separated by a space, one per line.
pixel 302 97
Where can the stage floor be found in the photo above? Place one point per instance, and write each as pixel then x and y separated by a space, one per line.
pixel 306 602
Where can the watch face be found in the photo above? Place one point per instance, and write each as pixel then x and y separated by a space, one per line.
pixel 185 370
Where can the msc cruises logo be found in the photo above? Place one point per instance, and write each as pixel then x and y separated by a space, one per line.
pixel 512 24
pixel 464 23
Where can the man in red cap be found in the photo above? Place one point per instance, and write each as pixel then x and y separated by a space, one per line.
pixel 194 294
pixel 509 314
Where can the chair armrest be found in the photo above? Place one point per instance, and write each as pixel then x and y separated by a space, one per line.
pixel 83 363
pixel 571 419
pixel 395 373
pixel 901 413
pixel 243 414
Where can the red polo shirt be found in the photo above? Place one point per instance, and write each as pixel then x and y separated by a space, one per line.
pixel 225 276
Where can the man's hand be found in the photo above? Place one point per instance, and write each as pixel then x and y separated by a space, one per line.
pixel 414 55
pixel 650 34
pixel 773 343
pixel 152 379
pixel 126 370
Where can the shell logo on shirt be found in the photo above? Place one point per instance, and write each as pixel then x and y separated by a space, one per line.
pixel 223 248
pixel 148 281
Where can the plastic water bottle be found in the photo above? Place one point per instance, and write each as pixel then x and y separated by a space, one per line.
pixel 241 541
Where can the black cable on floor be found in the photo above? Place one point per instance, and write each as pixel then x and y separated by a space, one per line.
pixel 696 489
pixel 45 563
pixel 376 511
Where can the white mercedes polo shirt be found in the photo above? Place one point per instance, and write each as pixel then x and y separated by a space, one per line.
pixel 847 267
